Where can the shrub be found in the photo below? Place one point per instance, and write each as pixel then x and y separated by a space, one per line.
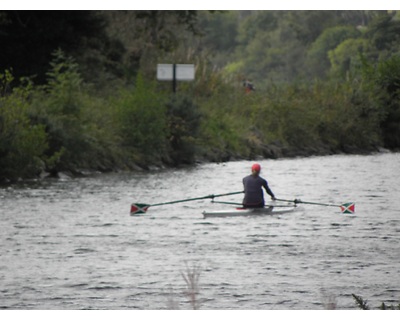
pixel 22 142
pixel 183 119
pixel 141 117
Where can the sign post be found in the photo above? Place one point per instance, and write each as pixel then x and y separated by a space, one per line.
pixel 174 78
pixel 175 72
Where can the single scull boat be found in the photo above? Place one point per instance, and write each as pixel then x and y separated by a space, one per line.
pixel 241 212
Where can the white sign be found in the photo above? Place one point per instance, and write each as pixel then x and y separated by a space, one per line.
pixel 164 72
pixel 183 72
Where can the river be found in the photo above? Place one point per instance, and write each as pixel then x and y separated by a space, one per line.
pixel 72 244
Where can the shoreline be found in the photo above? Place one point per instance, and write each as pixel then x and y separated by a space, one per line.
pixel 272 151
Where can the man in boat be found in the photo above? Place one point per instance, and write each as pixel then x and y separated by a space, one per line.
pixel 253 192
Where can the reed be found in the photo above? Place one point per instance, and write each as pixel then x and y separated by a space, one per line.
pixel 328 300
pixel 363 304
pixel 191 277
pixel 191 291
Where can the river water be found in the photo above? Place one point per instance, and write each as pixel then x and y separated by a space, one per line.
pixel 72 244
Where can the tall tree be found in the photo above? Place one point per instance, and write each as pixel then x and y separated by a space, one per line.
pixel 317 56
pixel 28 38
pixel 150 35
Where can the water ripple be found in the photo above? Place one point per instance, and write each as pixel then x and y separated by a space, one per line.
pixel 60 249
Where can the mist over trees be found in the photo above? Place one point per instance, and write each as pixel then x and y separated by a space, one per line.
pixel 78 88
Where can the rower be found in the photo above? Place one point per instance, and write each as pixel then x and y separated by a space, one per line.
pixel 253 192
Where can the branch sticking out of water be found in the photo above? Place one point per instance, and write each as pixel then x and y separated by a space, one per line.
pixel 191 277
pixel 329 300
pixel 361 303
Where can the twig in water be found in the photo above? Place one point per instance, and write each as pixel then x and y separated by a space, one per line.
pixel 361 303
pixel 191 277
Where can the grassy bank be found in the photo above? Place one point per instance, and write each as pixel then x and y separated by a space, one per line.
pixel 66 125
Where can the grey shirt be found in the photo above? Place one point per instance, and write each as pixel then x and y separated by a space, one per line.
pixel 253 193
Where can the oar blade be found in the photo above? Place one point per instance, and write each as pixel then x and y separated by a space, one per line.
pixel 139 208
pixel 349 207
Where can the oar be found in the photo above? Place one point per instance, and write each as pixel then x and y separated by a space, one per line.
pixel 241 204
pixel 140 208
pixel 226 202
pixel 348 207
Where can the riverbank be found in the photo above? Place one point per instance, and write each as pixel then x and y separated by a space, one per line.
pixel 272 151
pixel 67 127
pixel 278 151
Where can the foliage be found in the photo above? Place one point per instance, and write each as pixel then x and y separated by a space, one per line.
pixel 324 116
pixel 141 117
pixel 309 25
pixel 328 40
pixel 383 33
pixel 58 106
pixel 224 41
pixel 222 129
pixel 22 142
pixel 147 36
pixel 183 119
pixel 323 87
pixel 29 38
pixel 346 57
pixel 363 304
pixel 268 48
pixel 384 83
pixel 76 136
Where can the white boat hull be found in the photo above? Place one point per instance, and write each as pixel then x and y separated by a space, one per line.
pixel 242 212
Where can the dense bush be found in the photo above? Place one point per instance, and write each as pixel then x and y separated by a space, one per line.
pixel 22 142
pixel 384 82
pixel 65 125
pixel 323 117
pixel 183 119
pixel 141 121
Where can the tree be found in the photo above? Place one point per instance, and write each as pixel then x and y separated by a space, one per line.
pixel 149 35
pixel 219 32
pixel 308 25
pixel 28 39
pixel 346 56
pixel 183 119
pixel 22 142
pixel 317 56
pixel 142 121
pixel 385 79
pixel 384 35
pixel 268 48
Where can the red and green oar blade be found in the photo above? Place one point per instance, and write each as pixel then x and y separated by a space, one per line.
pixel 349 207
pixel 141 208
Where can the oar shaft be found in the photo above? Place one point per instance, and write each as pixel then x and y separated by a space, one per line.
pixel 307 202
pixel 348 207
pixel 211 196
pixel 319 204
pixel 227 202
pixel 177 201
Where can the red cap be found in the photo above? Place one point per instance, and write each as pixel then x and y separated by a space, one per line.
pixel 256 167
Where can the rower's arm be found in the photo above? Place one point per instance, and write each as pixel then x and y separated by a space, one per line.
pixel 269 191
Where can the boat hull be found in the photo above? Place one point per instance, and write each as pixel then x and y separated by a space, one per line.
pixel 243 212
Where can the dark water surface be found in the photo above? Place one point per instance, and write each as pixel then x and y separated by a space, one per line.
pixel 71 244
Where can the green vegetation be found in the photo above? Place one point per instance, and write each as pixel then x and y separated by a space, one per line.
pixel 87 98
pixel 363 304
